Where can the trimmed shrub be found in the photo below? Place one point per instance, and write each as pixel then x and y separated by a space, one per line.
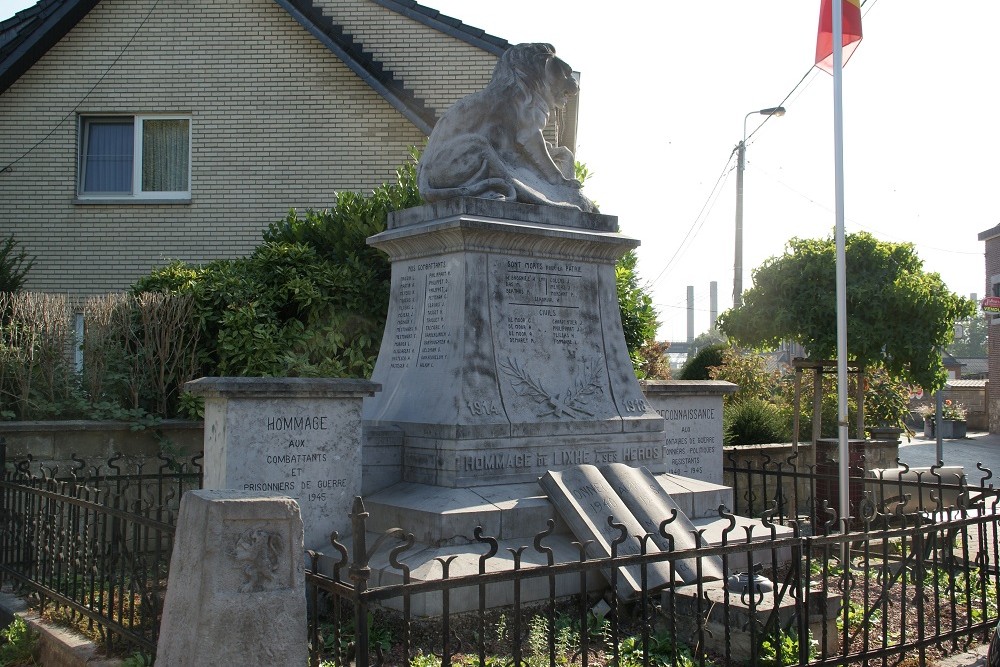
pixel 699 366
pixel 754 421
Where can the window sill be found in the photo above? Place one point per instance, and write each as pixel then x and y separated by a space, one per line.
pixel 128 201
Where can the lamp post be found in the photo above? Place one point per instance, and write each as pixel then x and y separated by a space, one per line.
pixel 741 159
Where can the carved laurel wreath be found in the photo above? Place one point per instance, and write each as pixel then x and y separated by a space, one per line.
pixel 569 403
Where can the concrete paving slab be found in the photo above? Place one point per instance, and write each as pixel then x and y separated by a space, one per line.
pixel 976 447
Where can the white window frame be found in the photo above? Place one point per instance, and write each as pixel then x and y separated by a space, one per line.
pixel 137 194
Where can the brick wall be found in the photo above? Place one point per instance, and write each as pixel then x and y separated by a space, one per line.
pixel 993 388
pixel 277 122
pixel 974 400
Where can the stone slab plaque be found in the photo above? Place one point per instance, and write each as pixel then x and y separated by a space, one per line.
pixel 585 499
pixel 237 583
pixel 548 341
pixel 645 497
pixel 291 436
pixel 692 418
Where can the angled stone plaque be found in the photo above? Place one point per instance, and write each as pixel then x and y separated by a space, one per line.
pixel 585 499
pixel 650 504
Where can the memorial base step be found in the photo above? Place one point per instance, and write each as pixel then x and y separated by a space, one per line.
pixel 444 516
pixel 443 522
pixel 424 563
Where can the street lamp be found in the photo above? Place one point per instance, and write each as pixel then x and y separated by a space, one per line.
pixel 741 159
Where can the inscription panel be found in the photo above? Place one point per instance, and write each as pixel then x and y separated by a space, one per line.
pixel 693 435
pixel 306 449
pixel 425 326
pixel 536 461
pixel 549 345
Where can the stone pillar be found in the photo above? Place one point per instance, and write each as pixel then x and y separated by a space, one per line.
pixel 236 594
pixel 296 437
pixel 692 414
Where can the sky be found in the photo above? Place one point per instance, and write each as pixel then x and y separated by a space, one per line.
pixel 665 88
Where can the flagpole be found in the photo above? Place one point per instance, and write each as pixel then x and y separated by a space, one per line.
pixel 838 159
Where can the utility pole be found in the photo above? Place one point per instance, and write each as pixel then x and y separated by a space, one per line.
pixel 741 164
pixel 738 263
pixel 690 314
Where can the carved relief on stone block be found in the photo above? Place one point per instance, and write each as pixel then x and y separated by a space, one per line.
pixel 573 402
pixel 259 554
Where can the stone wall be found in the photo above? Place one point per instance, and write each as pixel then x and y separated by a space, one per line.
pixel 877 454
pixel 974 399
pixel 55 442
pixel 755 457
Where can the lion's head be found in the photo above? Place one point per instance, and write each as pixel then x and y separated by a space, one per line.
pixel 535 70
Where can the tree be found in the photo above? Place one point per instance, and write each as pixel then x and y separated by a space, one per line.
pixel 897 314
pixel 699 364
pixel 706 339
pixel 637 313
pixel 973 344
pixel 636 306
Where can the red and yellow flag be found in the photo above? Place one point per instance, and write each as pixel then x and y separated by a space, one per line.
pixel 851 10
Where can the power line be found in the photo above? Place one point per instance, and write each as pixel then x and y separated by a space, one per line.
pixel 713 196
pixel 810 71
pixel 9 167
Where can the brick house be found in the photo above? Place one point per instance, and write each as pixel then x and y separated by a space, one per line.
pixel 133 132
pixel 992 239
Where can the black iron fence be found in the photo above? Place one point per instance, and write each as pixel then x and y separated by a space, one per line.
pixel 914 575
pixel 92 544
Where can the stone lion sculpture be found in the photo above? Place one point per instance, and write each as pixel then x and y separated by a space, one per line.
pixel 490 144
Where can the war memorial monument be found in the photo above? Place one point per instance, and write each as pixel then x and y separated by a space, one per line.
pixel 503 396
pixel 505 379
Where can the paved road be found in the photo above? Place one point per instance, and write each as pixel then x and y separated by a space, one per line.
pixel 976 448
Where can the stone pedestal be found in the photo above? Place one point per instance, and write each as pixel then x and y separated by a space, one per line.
pixel 297 437
pixel 692 415
pixel 504 359
pixel 503 355
pixel 236 594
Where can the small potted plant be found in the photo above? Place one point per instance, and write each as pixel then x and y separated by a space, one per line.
pixel 953 420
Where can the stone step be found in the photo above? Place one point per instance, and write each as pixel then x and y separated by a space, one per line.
pixel 443 516
pixel 424 564
pixel 443 521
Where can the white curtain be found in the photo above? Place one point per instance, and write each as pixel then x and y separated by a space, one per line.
pixel 108 156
